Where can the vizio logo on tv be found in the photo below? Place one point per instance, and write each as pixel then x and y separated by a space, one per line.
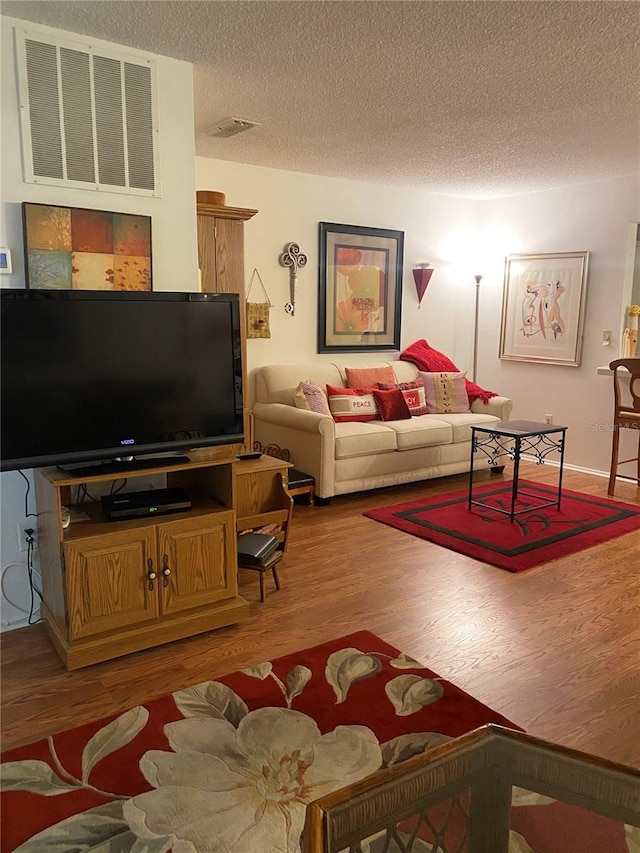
pixel 127 441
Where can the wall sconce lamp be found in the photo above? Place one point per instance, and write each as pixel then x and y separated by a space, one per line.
pixel 422 276
pixel 478 279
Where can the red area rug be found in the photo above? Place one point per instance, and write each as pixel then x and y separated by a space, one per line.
pixel 232 764
pixel 533 538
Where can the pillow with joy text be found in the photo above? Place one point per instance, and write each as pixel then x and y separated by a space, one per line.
pixel 413 393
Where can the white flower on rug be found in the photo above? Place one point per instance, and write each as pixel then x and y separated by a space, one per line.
pixel 244 790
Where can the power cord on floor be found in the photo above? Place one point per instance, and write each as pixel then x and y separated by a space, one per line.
pixel 33 589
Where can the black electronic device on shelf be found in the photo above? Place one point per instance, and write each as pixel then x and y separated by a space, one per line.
pixel 145 503
pixel 100 375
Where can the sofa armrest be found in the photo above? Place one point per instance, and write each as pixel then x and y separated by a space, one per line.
pixel 309 437
pixel 499 406
pixel 289 416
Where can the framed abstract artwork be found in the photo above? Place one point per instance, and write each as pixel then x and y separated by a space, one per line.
pixel 360 288
pixel 74 248
pixel 543 306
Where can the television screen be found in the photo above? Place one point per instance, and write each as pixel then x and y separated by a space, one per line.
pixel 93 375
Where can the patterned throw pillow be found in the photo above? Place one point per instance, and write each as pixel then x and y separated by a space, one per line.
pixel 369 377
pixel 392 405
pixel 446 393
pixel 309 396
pixel 414 395
pixel 352 404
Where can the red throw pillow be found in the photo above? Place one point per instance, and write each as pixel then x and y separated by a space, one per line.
pixel 369 377
pixel 414 395
pixel 392 405
pixel 352 404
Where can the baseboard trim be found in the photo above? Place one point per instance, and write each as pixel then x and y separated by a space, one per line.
pixel 568 466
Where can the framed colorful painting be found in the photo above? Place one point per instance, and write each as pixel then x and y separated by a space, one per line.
pixel 543 308
pixel 73 248
pixel 360 288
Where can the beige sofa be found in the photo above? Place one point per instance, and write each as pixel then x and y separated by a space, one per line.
pixel 353 457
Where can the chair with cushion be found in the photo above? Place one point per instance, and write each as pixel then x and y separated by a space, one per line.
pixel 626 414
pixel 276 523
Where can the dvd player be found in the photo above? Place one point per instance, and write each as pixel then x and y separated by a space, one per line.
pixel 149 502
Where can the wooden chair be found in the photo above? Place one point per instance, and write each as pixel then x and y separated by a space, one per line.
pixel 277 523
pixel 625 416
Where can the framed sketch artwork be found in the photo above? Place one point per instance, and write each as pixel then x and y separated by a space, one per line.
pixel 543 307
pixel 360 288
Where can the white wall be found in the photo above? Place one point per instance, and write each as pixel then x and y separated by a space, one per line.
pixel 438 229
pixel 174 242
pixel 290 206
pixel 594 217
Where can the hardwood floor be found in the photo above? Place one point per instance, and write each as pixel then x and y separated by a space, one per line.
pixel 556 649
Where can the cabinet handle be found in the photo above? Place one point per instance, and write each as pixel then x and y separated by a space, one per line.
pixel 151 575
pixel 166 571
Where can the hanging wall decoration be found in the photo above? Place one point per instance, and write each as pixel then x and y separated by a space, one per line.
pixel 293 258
pixel 543 307
pixel 74 248
pixel 258 312
pixel 360 288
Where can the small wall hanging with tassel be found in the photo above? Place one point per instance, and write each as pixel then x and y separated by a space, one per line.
pixel 258 312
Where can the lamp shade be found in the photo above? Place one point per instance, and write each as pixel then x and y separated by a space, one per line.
pixel 422 275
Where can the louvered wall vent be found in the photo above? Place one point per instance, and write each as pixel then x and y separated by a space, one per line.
pixel 88 118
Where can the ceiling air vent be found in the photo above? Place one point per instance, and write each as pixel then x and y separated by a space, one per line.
pixel 87 117
pixel 231 126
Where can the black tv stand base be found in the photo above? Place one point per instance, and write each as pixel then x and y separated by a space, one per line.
pixel 121 466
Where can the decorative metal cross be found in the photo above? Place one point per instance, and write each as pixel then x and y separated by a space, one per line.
pixel 293 258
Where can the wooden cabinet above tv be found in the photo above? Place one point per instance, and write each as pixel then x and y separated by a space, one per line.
pixel 221 263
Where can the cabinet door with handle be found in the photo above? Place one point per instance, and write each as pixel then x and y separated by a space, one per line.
pixel 111 581
pixel 197 561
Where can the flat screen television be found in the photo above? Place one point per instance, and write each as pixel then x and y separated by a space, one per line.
pixel 104 375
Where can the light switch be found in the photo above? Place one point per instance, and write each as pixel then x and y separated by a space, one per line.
pixel 606 338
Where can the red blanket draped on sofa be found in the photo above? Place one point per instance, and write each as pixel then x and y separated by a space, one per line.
pixel 432 360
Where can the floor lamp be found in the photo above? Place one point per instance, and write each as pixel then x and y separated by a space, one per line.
pixel 478 279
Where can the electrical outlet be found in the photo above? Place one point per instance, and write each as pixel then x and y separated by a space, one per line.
pixel 606 338
pixel 548 419
pixel 23 526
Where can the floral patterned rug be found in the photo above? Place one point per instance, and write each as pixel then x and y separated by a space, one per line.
pixel 231 764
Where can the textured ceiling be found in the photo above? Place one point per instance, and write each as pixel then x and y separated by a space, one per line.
pixel 475 99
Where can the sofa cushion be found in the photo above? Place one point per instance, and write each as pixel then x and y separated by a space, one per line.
pixel 414 395
pixel 391 404
pixel 352 404
pixel 445 392
pixel 367 377
pixel 461 423
pixel 364 439
pixel 425 431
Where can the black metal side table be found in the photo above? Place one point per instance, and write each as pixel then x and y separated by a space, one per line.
pixel 511 439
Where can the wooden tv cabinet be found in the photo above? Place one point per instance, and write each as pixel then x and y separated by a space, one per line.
pixel 115 587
